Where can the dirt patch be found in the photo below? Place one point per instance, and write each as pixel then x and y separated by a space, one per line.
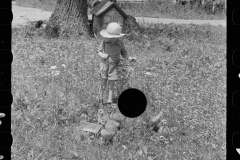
pixel 21 15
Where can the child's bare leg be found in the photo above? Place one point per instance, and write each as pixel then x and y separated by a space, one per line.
pixel 111 90
pixel 102 88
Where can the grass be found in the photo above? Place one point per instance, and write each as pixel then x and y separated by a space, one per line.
pixel 158 9
pixel 189 87
pixel 154 9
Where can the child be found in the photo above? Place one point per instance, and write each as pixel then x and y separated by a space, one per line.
pixel 110 50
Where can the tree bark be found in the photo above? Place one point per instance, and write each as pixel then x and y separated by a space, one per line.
pixel 69 18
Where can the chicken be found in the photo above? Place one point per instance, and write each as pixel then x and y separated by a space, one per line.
pixel 154 123
pixel 164 130
pixel 107 135
pixel 112 125
pixel 116 116
pixel 102 117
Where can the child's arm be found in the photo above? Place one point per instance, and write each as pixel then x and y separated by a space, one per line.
pixel 124 52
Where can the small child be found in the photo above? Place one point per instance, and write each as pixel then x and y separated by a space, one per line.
pixel 110 50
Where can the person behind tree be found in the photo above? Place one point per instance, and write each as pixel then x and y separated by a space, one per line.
pixel 110 50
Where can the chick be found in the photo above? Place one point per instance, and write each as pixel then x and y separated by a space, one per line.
pixel 102 117
pixel 155 119
pixel 112 125
pixel 154 122
pixel 117 116
pixel 107 135
pixel 164 130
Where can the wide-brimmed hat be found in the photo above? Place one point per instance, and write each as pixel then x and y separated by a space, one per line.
pixel 113 30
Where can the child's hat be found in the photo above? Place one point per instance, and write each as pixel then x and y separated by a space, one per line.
pixel 113 30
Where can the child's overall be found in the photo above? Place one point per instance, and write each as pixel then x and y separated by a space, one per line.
pixel 119 71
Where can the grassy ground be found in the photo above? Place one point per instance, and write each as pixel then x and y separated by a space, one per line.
pixel 162 10
pixel 189 87
pixel 153 9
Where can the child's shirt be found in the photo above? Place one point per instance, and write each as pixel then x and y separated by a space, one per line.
pixel 113 49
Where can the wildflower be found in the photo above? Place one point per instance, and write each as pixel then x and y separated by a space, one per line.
pixel 53 67
pixel 124 147
pixel 56 73
pixel 149 74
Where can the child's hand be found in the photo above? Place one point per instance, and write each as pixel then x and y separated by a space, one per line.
pixel 103 55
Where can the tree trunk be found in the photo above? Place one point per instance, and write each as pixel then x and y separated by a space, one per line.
pixel 69 19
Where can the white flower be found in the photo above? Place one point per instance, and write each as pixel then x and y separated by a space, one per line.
pixel 150 74
pixel 53 67
pixel 56 73
pixel 124 147
pixel 63 65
